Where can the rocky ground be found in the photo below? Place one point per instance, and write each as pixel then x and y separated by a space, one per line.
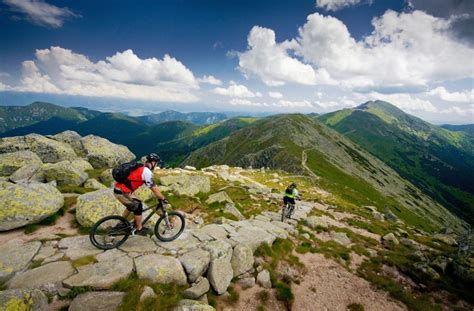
pixel 235 253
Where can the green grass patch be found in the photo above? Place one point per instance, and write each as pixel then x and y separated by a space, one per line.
pixel 74 189
pixel 95 173
pixel 35 264
pixel 75 291
pixel 281 250
pixel 355 307
pixel 233 297
pixel 48 221
pixel 284 294
pixel 83 261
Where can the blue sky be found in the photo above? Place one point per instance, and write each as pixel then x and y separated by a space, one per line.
pixel 298 56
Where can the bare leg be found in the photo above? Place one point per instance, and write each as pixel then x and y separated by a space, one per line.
pixel 138 222
pixel 125 214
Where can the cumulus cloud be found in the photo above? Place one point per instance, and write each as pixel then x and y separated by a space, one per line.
pixel 275 94
pixel 246 102
pixel 465 111
pixel 41 13
pixel 460 97
pixel 334 5
pixel 270 61
pixel 236 90
pixel 210 80
pixel 123 75
pixel 407 102
pixel 293 104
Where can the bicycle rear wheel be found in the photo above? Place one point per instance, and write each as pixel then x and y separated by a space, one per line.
pixel 284 212
pixel 170 227
pixel 110 232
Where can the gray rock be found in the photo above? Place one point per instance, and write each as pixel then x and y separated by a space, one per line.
pixel 16 256
pixel 47 278
pixel 102 153
pixel 315 222
pixel 215 231
pixel 27 203
pixel 408 242
pixel 270 228
pixel 448 239
pixel 389 240
pixel 263 278
pixel 97 301
pixel 391 216
pixel 93 183
pixel 111 254
pixel 23 299
pixel 45 252
pixel 341 238
pixel 26 172
pixel 49 150
pixel 253 237
pixel 219 197
pixel 306 236
pixel 219 249
pixel 220 274
pixel 440 263
pixel 187 185
pixel 195 263
pixel 12 144
pixel 101 275
pixel 198 289
pixel 242 259
pixel 147 293
pixel 232 209
pixel 139 244
pixel 193 305
pixel 64 173
pixel 426 271
pixel 247 282
pixel 77 247
pixel 186 242
pixel 73 139
pixel 55 257
pixel 106 177
pixel 93 206
pixel 160 269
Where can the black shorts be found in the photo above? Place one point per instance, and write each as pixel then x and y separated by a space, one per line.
pixel 132 204
pixel 288 200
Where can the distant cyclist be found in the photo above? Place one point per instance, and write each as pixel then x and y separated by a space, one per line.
pixel 291 193
pixel 132 176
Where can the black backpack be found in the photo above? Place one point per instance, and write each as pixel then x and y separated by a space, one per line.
pixel 121 172
pixel 289 190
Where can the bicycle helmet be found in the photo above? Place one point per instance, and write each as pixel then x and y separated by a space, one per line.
pixel 153 157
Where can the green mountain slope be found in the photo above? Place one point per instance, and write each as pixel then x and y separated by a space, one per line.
pixel 468 128
pixel 198 118
pixel 438 161
pixel 12 117
pixel 302 145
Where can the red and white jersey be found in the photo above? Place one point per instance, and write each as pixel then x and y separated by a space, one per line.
pixel 140 176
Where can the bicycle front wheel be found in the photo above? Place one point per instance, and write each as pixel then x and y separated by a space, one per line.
pixel 110 232
pixel 169 226
pixel 284 213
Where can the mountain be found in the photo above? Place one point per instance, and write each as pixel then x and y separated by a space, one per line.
pixel 198 118
pixel 12 117
pixel 438 161
pixel 468 128
pixel 305 146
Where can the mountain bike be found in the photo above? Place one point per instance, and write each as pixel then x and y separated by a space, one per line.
pixel 287 211
pixel 112 231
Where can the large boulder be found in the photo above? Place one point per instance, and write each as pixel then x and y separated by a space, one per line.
pixel 11 162
pixel 23 299
pixel 219 197
pixel 242 259
pixel 77 247
pixel 198 289
pixel 390 240
pixel 81 164
pixel 92 206
pixel 220 274
pixel 26 172
pixel 188 185
pixel 193 305
pixel 13 144
pixel 103 153
pixel 49 150
pixel 92 183
pixel 97 301
pixel 73 139
pixel 64 173
pixel 315 222
pixel 27 203
pixel 341 238
pixel 195 263
pixel 16 256
pixel 160 269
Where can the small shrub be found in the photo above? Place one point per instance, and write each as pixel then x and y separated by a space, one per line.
pixel 284 293
pixel 234 296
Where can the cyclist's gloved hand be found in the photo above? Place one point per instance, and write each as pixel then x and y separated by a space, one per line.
pixel 165 201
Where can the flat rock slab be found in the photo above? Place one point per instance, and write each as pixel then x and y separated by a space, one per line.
pixel 269 227
pixel 197 290
pixel 160 269
pixel 97 301
pixel 139 244
pixel 193 305
pixel 195 263
pixel 101 275
pixel 23 299
pixel 183 244
pixel 109 255
pixel 253 237
pixel 47 277
pixel 16 256
pixel 78 247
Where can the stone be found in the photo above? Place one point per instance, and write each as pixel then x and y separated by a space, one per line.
pixel 144 194
pixel 160 269
pixel 110 254
pixel 247 282
pixel 100 152
pixel 440 263
pixel 372 252
pixel 16 256
pixel 97 301
pixel 25 173
pixel 141 244
pixel 198 289
pixel 12 144
pixel 219 197
pixel 270 228
pixel 55 257
pixel 186 242
pixel 101 275
pixel 242 259
pixel 341 238
pixel 219 249
pixel 195 263
pixel 93 183
pixel 253 237
pixel 232 209
pixel 315 222
pixel 306 236
pixel 189 168
pixel 193 305
pixel 23 299
pixel 77 247
pixel 188 185
pixel 106 177
pixel 47 278
pixel 73 139
pixel 220 274
pixel 81 164
pixel 45 252
pixel 426 271
pixel 447 239
pixel 11 162
pixel 215 231
pixel 27 203
pixel 389 240
pixel 49 150
pixel 263 278
pixel 390 216
pixel 408 242
pixel 93 206
pixel 147 293
pixel 64 173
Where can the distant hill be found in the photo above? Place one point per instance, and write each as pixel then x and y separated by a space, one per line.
pixel 198 118
pixel 302 145
pixel 468 128
pixel 437 160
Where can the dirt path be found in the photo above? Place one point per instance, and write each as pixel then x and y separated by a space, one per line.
pixel 328 286
pixel 304 159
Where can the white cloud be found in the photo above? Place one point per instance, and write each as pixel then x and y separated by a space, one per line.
pixel 459 97
pixel 236 90
pixel 210 80
pixel 275 94
pixel 269 61
pixel 40 12
pixel 407 102
pixel 293 104
pixel 123 75
pixel 334 5
pixel 246 102
pixel 467 111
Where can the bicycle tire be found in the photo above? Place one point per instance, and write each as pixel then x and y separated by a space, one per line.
pixel 92 234
pixel 157 226
pixel 283 213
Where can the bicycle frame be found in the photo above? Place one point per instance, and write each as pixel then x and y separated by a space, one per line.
pixel 160 205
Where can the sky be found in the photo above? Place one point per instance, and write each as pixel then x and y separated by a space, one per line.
pixel 253 56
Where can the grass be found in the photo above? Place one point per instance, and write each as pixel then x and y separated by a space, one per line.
pixel 95 173
pixel 281 250
pixel 83 261
pixel 35 264
pixel 74 189
pixel 263 296
pixel 284 294
pixel 355 307
pixel 74 292
pixel 234 296
pixel 48 221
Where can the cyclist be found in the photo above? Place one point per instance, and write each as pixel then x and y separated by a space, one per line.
pixel 123 192
pixel 291 193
